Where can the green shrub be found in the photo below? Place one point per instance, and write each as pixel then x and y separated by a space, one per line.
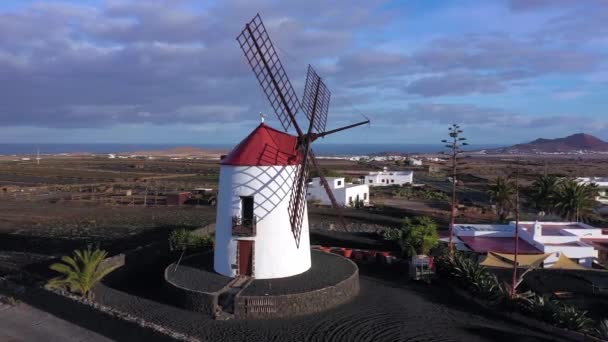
pixel 416 236
pixel 602 329
pixel 541 307
pixel 183 239
pixel 572 318
pixel 81 272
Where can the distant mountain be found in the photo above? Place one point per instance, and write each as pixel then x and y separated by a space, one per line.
pixel 576 143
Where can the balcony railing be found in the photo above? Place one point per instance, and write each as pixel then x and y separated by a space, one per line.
pixel 243 226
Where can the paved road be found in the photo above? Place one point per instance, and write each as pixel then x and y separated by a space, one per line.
pixel 23 323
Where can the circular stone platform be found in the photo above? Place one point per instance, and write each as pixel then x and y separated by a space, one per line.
pixel 331 280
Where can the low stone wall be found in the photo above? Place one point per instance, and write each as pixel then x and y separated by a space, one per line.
pixel 199 301
pixel 255 307
pixel 93 316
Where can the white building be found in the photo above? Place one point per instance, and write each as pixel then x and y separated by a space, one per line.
pixel 579 242
pixel 384 178
pixel 602 184
pixel 414 161
pixel 346 194
pixel 253 235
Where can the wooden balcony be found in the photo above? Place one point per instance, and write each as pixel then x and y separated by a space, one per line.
pixel 243 227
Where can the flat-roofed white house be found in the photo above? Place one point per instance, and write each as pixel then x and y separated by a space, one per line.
pixel 414 161
pixel 579 242
pixel 602 185
pixel 386 177
pixel 346 194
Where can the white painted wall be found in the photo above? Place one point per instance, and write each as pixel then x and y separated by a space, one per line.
pixel 343 192
pixel 545 243
pixel 275 252
pixel 384 178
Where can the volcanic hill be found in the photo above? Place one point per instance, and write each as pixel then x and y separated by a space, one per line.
pixel 576 143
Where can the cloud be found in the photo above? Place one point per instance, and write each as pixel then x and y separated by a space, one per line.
pixel 471 115
pixel 80 66
pixel 455 84
pixel 73 66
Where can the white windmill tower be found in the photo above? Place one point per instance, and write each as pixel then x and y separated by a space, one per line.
pixel 262 218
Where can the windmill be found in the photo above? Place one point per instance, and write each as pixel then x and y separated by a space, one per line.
pixel 268 69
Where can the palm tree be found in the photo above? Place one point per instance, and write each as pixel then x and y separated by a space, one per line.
pixel 81 272
pixel 420 237
pixel 542 193
pixel 576 201
pixel 416 236
pixel 501 193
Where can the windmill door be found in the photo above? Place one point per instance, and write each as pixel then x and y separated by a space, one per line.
pixel 245 255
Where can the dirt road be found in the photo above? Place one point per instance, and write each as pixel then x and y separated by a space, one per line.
pixel 23 323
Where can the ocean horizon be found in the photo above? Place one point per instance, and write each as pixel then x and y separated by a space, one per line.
pixel 320 149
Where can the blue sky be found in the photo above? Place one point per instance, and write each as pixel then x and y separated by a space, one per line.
pixel 171 71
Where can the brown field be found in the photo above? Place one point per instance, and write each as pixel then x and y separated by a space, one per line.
pixel 85 199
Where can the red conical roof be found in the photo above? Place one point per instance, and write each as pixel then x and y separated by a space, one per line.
pixel 265 146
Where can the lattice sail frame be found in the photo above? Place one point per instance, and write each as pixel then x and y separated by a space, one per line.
pixel 297 201
pixel 268 69
pixel 316 100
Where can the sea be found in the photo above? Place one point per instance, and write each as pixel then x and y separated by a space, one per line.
pixel 320 149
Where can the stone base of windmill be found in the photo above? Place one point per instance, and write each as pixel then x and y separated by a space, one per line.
pixel 332 280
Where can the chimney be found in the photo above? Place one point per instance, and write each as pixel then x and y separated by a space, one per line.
pixel 538 230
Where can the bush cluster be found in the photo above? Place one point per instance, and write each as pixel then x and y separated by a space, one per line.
pixel 478 280
pixel 183 239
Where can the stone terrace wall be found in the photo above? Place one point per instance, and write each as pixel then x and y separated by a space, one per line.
pixel 253 307
pixel 199 301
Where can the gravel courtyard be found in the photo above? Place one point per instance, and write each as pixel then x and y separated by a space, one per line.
pixel 387 309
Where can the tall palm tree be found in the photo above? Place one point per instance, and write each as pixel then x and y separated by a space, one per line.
pixel 501 193
pixel 576 201
pixel 542 193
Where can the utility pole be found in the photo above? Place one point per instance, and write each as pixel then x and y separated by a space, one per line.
pixel 514 284
pixel 454 145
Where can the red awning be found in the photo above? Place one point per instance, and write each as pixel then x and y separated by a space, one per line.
pixel 265 146
pixel 482 244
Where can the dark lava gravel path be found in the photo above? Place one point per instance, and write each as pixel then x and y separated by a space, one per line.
pixel 385 310
pixel 197 273
pixel 327 269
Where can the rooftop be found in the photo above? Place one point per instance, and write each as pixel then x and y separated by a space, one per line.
pixel 265 146
pixel 481 244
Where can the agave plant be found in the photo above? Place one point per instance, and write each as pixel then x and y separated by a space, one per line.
pixel 81 272
pixel 570 317
pixel 541 307
pixel 487 286
pixel 467 270
pixel 602 329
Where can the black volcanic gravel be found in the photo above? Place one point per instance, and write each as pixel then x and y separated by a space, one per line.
pixel 387 309
pixel 327 270
pixel 196 273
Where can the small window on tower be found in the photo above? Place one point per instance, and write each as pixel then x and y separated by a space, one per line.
pixel 339 183
pixel 371 180
pixel 247 209
pixel 365 195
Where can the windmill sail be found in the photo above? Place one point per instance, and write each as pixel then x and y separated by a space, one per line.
pixel 315 101
pixel 269 71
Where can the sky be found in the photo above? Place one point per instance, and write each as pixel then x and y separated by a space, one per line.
pixel 171 71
